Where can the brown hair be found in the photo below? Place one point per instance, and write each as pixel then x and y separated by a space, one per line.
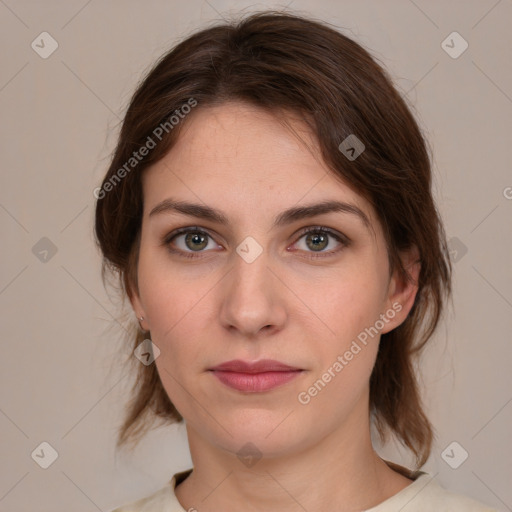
pixel 285 62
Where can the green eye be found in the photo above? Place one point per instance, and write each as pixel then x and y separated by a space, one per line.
pixel 194 241
pixel 317 239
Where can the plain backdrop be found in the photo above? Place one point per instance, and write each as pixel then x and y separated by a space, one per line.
pixel 62 333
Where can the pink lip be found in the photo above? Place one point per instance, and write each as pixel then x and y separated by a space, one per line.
pixel 263 365
pixel 259 376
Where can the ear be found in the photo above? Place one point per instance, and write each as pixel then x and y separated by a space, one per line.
pixel 402 291
pixel 138 309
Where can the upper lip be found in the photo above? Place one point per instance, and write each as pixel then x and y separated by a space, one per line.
pixel 264 365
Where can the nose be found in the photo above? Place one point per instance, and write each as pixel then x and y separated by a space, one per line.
pixel 253 298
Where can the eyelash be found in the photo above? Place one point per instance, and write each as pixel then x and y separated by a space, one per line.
pixel 342 239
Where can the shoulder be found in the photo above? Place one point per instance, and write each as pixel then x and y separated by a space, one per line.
pixel 151 503
pixel 440 499
pixel 425 494
pixel 163 499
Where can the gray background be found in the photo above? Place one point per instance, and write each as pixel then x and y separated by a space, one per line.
pixel 61 333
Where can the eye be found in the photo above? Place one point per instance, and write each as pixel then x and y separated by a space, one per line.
pixel 192 242
pixel 318 238
pixel 189 241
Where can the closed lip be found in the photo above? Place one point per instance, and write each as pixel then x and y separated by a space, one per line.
pixel 261 366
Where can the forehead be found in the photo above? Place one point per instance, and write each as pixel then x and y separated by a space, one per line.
pixel 239 157
pixel 236 136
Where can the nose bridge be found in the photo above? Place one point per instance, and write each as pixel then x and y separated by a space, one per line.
pixel 252 300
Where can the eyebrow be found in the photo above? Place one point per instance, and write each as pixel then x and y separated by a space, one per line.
pixel 286 217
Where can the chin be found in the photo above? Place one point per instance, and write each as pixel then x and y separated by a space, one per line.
pixel 262 432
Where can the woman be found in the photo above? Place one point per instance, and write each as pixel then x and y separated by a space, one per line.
pixel 269 213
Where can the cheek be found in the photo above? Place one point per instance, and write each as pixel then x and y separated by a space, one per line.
pixel 343 301
pixel 168 291
pixel 174 306
pixel 348 304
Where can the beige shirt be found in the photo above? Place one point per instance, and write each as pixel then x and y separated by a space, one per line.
pixel 422 495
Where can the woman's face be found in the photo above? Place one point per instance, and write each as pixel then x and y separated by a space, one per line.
pixel 249 284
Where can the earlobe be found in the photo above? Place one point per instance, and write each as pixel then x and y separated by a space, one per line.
pixel 402 290
pixel 137 307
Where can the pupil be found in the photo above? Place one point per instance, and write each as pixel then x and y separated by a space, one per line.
pixel 196 239
pixel 317 239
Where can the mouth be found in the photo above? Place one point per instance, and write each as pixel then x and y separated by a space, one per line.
pixel 255 377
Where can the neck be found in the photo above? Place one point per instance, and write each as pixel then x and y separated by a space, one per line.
pixel 341 471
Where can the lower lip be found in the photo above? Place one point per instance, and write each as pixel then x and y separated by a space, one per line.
pixel 255 382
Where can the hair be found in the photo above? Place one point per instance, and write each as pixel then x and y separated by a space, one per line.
pixel 288 63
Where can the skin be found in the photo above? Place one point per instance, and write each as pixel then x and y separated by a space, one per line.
pixel 285 305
